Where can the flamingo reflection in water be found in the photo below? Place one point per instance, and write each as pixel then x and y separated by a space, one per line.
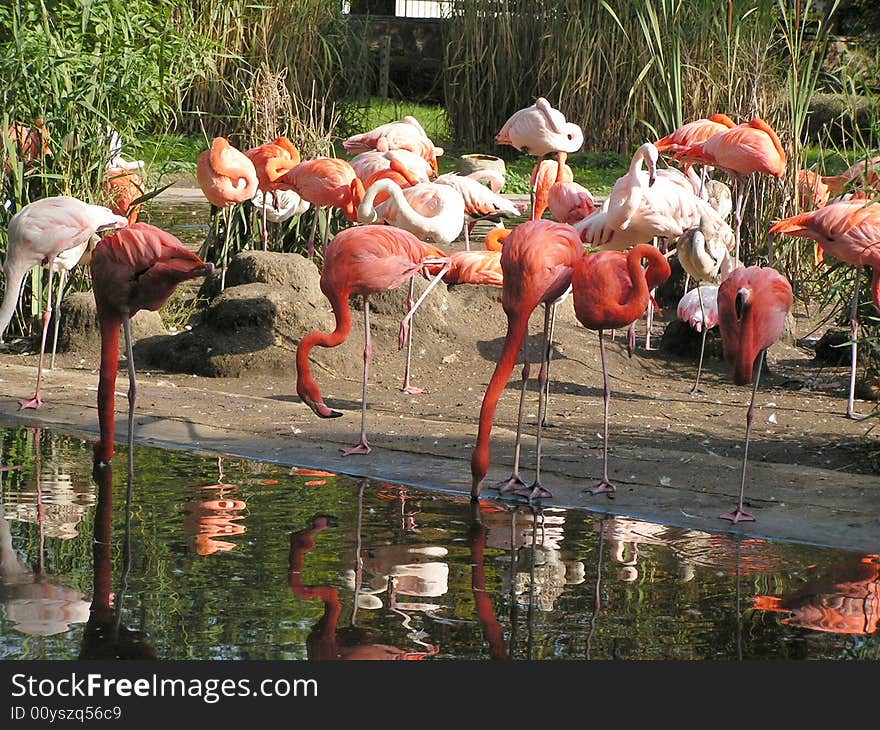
pixel 105 636
pixel 844 599
pixel 215 517
pixel 327 640
pixel 34 601
pixel 537 576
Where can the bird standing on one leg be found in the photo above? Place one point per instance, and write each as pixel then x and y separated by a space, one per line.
pixel 741 151
pixel 611 290
pixel 849 231
pixel 361 260
pixel 39 233
pixel 135 268
pixel 752 306
pixel 539 130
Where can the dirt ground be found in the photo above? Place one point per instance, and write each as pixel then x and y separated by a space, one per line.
pixel 675 457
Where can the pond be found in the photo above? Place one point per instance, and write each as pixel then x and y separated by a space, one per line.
pixel 225 558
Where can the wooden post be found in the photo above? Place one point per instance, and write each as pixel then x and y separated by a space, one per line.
pixel 384 65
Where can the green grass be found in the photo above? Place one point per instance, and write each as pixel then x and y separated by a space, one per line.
pixel 166 155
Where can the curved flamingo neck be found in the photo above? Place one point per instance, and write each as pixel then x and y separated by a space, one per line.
pixel 517 326
pixel 407 214
pixel 482 598
pixel 367 209
pixel 110 322
pixel 356 197
pixel 306 386
pixel 10 299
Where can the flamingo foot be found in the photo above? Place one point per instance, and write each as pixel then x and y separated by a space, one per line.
pixel 536 491
pixel 603 487
pixel 34 402
pixel 511 484
pixel 413 390
pixel 695 390
pixel 738 515
pixel 362 448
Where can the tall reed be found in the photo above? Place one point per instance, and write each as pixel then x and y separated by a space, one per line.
pixel 81 67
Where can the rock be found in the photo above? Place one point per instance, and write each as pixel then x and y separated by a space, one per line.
pixel 248 328
pixel 78 329
pixel 680 339
pixel 833 347
pixel 266 267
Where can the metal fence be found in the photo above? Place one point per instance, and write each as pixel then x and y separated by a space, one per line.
pixel 399 8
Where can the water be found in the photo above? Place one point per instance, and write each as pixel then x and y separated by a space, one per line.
pixel 235 559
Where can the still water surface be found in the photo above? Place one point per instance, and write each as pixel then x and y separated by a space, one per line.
pixel 235 559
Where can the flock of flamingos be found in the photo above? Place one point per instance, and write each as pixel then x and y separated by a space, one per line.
pixel 404 214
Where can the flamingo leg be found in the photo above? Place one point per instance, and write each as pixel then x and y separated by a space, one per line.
pixel 649 319
pixel 363 447
pixel 326 234
pixel 605 486
pixel 739 515
pixel 132 381
pixel 548 356
pixel 514 481
pixel 410 302
pixel 37 400
pixel 311 243
pixel 536 491
pixel 534 190
pixel 62 275
pixel 467 233
pixel 630 338
pixel 696 389
pixel 738 211
pixel 436 280
pixel 854 336
pixel 263 220
pixel 227 218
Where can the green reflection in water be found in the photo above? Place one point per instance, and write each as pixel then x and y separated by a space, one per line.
pixel 239 559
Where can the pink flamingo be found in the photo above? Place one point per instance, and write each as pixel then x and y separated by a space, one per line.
pixel 863 174
pixel 409 164
pixel 752 306
pixel 326 182
pixel 704 257
pixel 480 202
pixel 536 261
pixel 694 132
pixel 361 260
pixel 539 130
pixel 429 211
pixel 545 174
pixel 611 290
pixel 748 148
pixel 31 145
pixel 41 233
pixel 850 231
pixel 570 202
pixel 405 134
pixel 227 177
pixel 472 267
pixel 134 268
pixel 272 160
pixel 699 307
